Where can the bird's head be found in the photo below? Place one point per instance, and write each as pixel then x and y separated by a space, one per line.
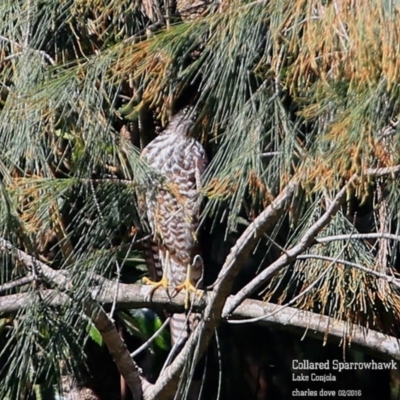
pixel 180 123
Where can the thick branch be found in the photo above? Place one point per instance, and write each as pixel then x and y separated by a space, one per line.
pixel 57 277
pixel 377 172
pixel 118 350
pixel 14 302
pixel 282 317
pixel 319 326
pixel 16 283
pixel 129 296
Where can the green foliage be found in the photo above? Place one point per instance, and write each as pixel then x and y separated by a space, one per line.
pixel 143 324
pixel 44 344
pixel 95 335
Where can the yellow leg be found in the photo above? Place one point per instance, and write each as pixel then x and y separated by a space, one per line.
pixel 161 283
pixel 189 286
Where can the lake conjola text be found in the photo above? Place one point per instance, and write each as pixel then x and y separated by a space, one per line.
pixel 313 377
pixel 336 365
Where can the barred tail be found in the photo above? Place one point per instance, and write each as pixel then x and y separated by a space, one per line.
pixel 152 259
pixel 181 326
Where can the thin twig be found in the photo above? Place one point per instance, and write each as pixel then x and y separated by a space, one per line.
pixel 57 277
pixel 12 56
pixel 151 339
pixel 380 275
pixel 377 235
pixel 5 86
pixel 28 25
pixel 41 52
pixel 389 129
pixel 271 154
pixel 377 172
pixel 137 35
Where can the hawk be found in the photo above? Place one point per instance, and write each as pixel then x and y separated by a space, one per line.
pixel 173 214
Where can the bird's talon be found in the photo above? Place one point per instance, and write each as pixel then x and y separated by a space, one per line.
pixel 189 287
pixel 155 285
pixel 161 283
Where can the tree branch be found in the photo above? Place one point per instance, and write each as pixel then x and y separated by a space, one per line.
pixel 25 280
pixel 117 348
pixel 291 254
pixel 319 326
pixel 267 314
